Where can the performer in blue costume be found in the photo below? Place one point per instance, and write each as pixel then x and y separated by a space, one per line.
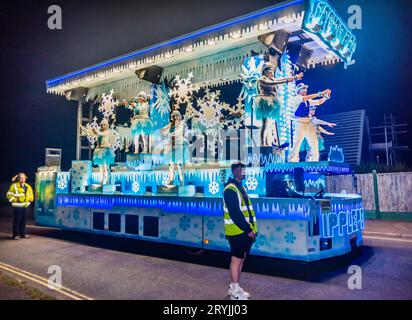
pixel 103 154
pixel 176 145
pixel 304 128
pixel 317 124
pixel 266 105
pixel 141 124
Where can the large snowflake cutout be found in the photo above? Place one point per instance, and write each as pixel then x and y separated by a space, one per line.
pixel 108 104
pixel 237 112
pixel 162 100
pixel 116 139
pixel 183 89
pixel 214 187
pixel 210 109
pixel 252 183
pixel 90 129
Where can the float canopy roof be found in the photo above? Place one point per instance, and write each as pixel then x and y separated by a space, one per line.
pixel 313 24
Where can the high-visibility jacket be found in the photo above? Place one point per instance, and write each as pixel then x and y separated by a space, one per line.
pixel 231 229
pixel 18 197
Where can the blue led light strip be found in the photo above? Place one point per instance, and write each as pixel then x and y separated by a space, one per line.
pixel 201 32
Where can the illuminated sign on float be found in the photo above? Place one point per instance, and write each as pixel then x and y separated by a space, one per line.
pixel 336 223
pixel 336 155
pixel 322 20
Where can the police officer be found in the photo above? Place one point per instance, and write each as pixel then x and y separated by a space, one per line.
pixel 240 227
pixel 20 195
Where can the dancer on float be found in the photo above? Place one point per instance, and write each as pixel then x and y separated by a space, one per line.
pixel 317 123
pixel 267 107
pixel 304 128
pixel 176 145
pixel 141 125
pixel 103 154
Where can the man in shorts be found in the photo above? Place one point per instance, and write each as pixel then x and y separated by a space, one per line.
pixel 240 227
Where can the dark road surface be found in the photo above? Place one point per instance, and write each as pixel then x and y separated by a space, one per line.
pixel 102 267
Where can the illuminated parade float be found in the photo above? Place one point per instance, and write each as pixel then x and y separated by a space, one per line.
pixel 160 176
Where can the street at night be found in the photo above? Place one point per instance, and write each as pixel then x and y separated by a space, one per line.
pixel 184 154
pixel 100 267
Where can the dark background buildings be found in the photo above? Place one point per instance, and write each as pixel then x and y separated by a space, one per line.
pixel 94 31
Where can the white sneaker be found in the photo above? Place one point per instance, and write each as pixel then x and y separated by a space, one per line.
pixel 240 291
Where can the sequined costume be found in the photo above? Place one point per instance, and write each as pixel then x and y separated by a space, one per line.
pixel 141 123
pixel 104 154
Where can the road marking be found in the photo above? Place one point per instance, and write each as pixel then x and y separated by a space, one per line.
pixel 44 282
pixel 396 235
pixel 41 227
pixel 389 239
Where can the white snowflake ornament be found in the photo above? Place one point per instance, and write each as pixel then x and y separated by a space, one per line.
pixel 210 109
pixel 90 128
pixel 135 187
pixel 252 183
pixel 108 104
pixel 214 187
pixel 183 89
pixel 166 180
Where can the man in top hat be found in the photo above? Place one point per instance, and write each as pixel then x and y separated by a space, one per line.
pixel 303 126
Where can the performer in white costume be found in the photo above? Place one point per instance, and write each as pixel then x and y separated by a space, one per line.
pixel 316 123
pixel 304 129
pixel 141 124
pixel 266 106
pixel 103 154
pixel 176 145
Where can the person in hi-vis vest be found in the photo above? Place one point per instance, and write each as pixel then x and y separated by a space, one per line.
pixel 20 195
pixel 240 227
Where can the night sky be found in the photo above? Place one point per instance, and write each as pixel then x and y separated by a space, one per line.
pixel 94 31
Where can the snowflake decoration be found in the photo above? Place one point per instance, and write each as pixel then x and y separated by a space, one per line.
pixel 62 184
pixel 166 180
pixel 214 187
pixel 238 112
pixel 184 223
pixel 135 187
pixel 117 139
pixel 108 104
pixel 210 109
pixel 183 89
pixel 251 183
pixel 190 113
pixel 76 214
pixel 92 127
pixel 162 103
pixel 210 225
pixel 260 240
pixel 290 237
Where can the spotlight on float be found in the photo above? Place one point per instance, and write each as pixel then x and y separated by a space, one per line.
pixel 276 43
pixel 254 53
pixel 151 74
pixel 300 55
pixel 76 94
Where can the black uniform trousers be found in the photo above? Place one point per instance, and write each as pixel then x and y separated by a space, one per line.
pixel 19 221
